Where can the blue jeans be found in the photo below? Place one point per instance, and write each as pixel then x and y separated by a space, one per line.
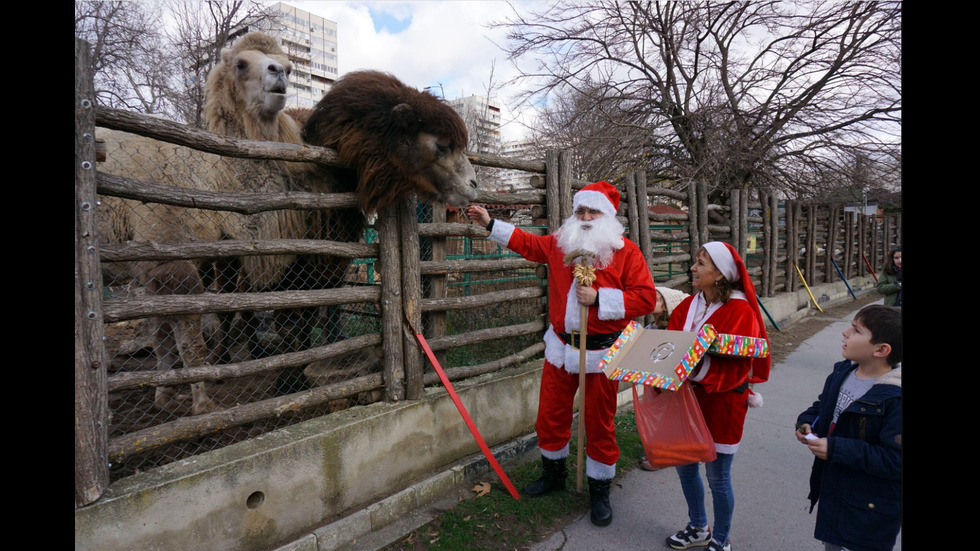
pixel 719 474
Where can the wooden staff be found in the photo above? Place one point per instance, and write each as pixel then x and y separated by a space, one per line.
pixel 584 274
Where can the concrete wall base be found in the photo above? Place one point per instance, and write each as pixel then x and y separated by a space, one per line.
pixel 321 484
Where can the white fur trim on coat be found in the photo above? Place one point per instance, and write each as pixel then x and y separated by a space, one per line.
pixel 726 448
pixel 612 305
pixel 594 200
pixel 573 310
pixel 501 232
pixel 599 471
pixel 563 356
pixel 558 454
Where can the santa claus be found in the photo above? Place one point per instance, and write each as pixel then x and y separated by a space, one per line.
pixel 623 289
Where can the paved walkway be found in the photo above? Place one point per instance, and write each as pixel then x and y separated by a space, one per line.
pixel 770 473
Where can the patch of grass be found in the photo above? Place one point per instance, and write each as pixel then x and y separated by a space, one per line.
pixel 496 520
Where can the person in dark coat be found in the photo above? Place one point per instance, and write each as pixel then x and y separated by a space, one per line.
pixel 854 431
pixel 890 283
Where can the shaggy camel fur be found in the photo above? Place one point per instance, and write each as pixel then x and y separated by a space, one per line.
pixel 421 152
pixel 245 97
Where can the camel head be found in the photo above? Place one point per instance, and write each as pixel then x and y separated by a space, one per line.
pixel 246 90
pixel 396 139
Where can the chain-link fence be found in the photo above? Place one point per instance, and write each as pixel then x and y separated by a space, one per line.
pixel 233 339
pixel 201 338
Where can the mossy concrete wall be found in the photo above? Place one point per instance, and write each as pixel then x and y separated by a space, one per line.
pixel 256 494
pixel 277 488
pixel 790 307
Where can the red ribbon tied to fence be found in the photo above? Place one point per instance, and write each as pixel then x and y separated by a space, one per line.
pixel 466 416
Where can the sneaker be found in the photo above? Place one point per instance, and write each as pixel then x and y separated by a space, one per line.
pixel 646 466
pixel 690 537
pixel 715 546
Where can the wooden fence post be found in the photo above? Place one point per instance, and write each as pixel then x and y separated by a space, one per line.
pixel 765 288
pixel 552 192
pixel 702 203
pixel 859 268
pixel 632 212
pixel 887 249
pixel 643 207
pixel 811 244
pixel 390 261
pixel 875 243
pixel 438 285
pixel 849 242
pixel 693 223
pixel 91 360
pixel 735 220
pixel 743 222
pixel 833 227
pixel 771 215
pixel 411 282
pixel 565 183
pixel 792 245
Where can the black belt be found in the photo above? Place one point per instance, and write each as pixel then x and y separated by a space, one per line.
pixel 599 341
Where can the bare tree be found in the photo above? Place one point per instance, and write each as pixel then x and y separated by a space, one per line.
pixel 601 148
pixel 735 94
pixel 154 57
pixel 199 33
pixel 132 67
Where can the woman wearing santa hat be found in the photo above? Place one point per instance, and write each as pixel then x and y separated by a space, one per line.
pixel 726 299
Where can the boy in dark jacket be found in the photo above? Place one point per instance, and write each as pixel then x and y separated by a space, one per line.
pixel 854 430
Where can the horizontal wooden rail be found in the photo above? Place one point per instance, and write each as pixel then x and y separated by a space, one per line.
pixel 121 309
pixel 123 252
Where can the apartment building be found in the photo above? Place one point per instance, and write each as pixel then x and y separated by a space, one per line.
pixel 482 117
pixel 526 150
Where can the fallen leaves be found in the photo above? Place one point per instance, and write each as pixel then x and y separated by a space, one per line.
pixel 481 489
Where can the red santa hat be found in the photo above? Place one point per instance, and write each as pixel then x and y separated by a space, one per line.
pixel 730 264
pixel 600 196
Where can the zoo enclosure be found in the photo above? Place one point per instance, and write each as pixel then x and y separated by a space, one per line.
pixel 404 282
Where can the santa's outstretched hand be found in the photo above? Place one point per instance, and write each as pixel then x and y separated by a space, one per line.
pixel 478 214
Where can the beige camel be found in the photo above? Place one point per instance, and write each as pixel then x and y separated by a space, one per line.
pixel 245 99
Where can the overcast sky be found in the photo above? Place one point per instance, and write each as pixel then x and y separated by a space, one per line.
pixel 427 43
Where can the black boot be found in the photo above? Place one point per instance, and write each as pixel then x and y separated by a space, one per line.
pixel 599 501
pixel 553 475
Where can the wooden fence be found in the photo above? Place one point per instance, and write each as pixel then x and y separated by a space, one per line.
pixel 411 289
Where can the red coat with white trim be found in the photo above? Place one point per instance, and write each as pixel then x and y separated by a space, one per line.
pixel 626 289
pixel 724 408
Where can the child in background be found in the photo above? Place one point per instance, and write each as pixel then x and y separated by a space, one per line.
pixel 890 283
pixel 854 431
pixel 667 300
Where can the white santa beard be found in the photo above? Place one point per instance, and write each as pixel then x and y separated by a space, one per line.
pixel 603 237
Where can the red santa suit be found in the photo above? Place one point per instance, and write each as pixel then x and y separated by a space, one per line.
pixel 626 290
pixel 721 387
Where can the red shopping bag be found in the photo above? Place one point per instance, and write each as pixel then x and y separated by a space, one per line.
pixel 672 427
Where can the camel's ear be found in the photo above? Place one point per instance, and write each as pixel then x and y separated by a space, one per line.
pixel 404 116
